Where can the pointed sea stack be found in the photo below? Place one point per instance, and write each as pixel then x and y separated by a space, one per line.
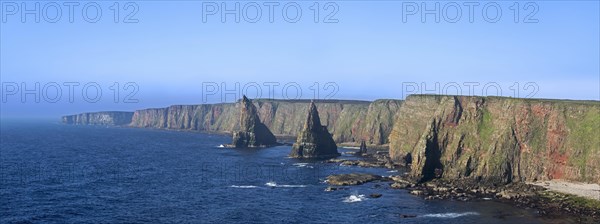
pixel 363 148
pixel 253 133
pixel 314 141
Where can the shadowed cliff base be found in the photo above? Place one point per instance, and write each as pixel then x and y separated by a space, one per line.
pixel 432 168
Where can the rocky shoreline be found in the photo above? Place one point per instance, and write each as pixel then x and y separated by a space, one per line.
pixel 547 203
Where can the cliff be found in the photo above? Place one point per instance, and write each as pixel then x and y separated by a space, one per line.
pixel 314 141
pixel 500 140
pixel 252 133
pixel 349 121
pixel 492 139
pixel 99 118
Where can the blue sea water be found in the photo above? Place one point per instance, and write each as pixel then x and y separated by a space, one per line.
pixel 56 173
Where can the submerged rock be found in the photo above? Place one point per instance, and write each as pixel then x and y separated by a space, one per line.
pixel 330 188
pixel 408 216
pixel 253 133
pixel 352 179
pixel 375 195
pixel 314 141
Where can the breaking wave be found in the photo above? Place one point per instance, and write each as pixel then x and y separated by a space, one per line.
pixel 450 215
pixel 243 186
pixel 273 184
pixel 355 198
pixel 299 165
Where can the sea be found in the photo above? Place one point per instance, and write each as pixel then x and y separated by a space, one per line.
pixel 57 173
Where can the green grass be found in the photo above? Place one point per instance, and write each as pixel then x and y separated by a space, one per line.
pixel 584 138
pixel 486 126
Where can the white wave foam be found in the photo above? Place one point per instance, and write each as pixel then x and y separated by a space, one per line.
pixel 273 184
pixel 450 215
pixel 287 185
pixel 392 171
pixel 221 146
pixel 300 165
pixel 243 186
pixel 355 198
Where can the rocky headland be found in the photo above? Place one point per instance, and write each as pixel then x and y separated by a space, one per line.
pixel 498 140
pixel 116 118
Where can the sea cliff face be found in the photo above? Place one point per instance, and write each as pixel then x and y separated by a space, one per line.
pixel 493 139
pixel 499 140
pixel 349 121
pixel 99 118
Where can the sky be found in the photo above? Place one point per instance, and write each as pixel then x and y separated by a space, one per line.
pixel 147 54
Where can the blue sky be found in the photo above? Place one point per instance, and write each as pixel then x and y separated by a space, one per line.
pixel 370 53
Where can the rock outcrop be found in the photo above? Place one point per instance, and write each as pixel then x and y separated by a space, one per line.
pixel 314 141
pixel 99 118
pixel 362 149
pixel 498 140
pixel 253 133
pixel 352 179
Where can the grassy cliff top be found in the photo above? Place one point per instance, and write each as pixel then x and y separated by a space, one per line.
pixel 536 100
pixel 309 100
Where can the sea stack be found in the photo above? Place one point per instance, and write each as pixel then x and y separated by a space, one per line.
pixel 314 141
pixel 253 133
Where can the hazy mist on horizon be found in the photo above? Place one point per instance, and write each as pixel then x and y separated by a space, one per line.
pixel 176 53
